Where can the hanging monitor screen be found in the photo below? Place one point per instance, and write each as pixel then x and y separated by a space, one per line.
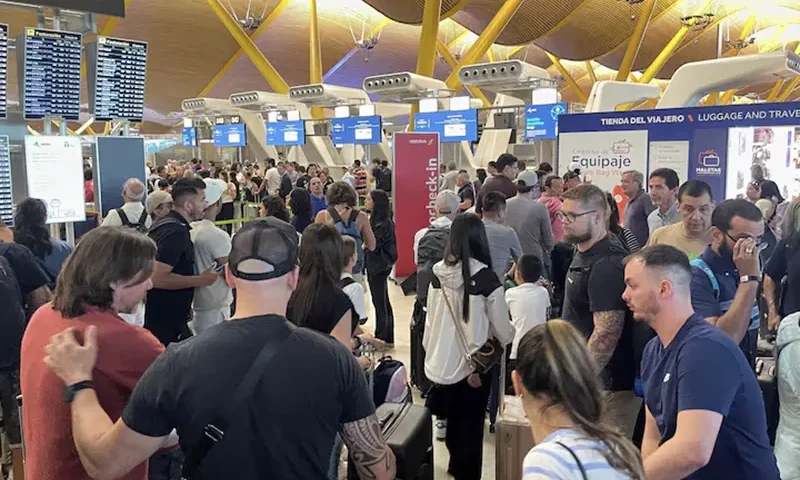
pixel 51 73
pixel 6 190
pixel 356 130
pixel 189 137
pixel 541 121
pixel 286 133
pixel 230 135
pixel 3 70
pixel 117 70
pixel 105 7
pixel 460 126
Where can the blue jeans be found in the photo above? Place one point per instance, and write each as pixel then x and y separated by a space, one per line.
pixel 333 467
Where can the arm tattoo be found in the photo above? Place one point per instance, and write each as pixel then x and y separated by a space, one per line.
pixel 607 330
pixel 368 449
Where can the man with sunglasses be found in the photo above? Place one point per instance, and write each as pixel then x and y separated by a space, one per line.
pixel 726 276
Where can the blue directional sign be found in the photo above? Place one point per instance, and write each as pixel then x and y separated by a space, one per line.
pixel 356 130
pixel 230 135
pixel 189 137
pixel 286 133
pixel 452 126
pixel 541 121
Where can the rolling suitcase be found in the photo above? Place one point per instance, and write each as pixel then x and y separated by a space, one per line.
pixel 513 435
pixel 408 430
pixel 766 370
pixel 418 378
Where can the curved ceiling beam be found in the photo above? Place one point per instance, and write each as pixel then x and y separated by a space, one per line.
pixel 411 12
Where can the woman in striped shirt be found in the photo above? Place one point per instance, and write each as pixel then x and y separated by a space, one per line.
pixel 562 397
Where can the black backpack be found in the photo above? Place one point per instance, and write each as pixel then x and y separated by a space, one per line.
pixel 385 182
pixel 14 317
pixel 429 252
pixel 140 226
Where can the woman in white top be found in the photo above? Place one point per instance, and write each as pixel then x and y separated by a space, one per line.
pixel 464 290
pixel 562 397
pixel 228 196
pixel 787 437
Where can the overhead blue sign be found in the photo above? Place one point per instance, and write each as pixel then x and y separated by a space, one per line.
pixel 541 121
pixel 286 133
pixel 452 126
pixel 189 137
pixel 230 135
pixel 356 130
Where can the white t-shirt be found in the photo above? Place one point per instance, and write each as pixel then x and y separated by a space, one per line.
pixel 273 180
pixel 550 461
pixel 133 210
pixel 210 242
pixel 356 293
pixel 528 305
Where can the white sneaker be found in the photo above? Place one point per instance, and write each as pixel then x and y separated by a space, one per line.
pixel 440 429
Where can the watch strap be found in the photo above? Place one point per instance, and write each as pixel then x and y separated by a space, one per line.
pixel 749 278
pixel 71 390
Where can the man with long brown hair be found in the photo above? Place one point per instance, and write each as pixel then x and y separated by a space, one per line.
pixel 107 274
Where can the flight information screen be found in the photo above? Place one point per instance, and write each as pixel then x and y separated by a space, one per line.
pixel 51 85
pixel 3 70
pixel 117 74
pixel 6 190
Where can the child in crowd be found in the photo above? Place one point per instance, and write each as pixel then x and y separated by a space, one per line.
pixel 356 292
pixel 529 302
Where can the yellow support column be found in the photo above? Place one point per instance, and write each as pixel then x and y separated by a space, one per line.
pixel 475 91
pixel 662 57
pixel 590 72
pixel 635 40
pixel 459 37
pixel 776 89
pixel 485 40
pixel 261 63
pixel 570 81
pixel 426 56
pixel 314 53
pixel 789 89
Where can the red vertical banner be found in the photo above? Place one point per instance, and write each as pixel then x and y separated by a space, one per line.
pixel 416 185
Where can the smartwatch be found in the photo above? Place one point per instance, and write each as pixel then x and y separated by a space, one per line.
pixel 71 390
pixel 750 278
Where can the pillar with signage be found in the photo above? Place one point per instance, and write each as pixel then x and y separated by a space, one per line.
pixel 416 168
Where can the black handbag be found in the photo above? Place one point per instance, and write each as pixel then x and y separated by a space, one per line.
pixel 486 357
pixel 214 431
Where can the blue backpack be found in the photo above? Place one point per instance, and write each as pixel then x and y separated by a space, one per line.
pixel 350 229
pixel 724 306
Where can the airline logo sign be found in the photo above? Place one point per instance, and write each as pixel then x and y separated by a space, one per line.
pixel 603 156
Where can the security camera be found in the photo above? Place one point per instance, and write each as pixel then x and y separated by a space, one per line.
pixel 321 93
pixel 401 83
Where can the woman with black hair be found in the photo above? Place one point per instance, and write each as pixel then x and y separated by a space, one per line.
pixel 379 263
pixel 771 192
pixel 625 236
pixel 466 307
pixel 300 204
pixel 273 206
pixel 30 229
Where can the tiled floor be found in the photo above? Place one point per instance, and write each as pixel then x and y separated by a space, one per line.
pixel 403 306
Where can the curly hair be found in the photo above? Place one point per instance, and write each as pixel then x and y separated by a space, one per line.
pixel 300 203
pixel 30 227
pixel 341 193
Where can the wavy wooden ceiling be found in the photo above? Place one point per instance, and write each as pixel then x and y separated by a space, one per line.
pixel 189 46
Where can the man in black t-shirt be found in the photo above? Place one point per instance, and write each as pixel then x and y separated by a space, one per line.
pixel 169 303
pixel 284 428
pixel 593 299
pixel 466 191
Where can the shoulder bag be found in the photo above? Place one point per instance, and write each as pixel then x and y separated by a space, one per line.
pixel 578 460
pixel 486 357
pixel 214 431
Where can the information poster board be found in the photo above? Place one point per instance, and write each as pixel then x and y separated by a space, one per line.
pixel 51 73
pixel 117 74
pixel 54 168
pixel 603 156
pixel 459 126
pixel 356 130
pixel 189 137
pixel 232 135
pixel 6 186
pixel 541 121
pixel 416 168
pixel 287 133
pixel 672 154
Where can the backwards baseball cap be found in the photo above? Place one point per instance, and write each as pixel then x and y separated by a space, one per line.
pixel 526 181
pixel 156 199
pixel 214 190
pixel 263 249
pixel 575 167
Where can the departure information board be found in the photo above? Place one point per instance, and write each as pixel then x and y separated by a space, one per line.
pixel 51 73
pixel 3 71
pixel 117 71
pixel 6 190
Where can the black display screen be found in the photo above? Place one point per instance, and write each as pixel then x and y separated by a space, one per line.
pixel 117 73
pixel 3 70
pixel 6 190
pixel 105 7
pixel 51 70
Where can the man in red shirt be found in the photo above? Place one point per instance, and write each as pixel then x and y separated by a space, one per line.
pixel 107 274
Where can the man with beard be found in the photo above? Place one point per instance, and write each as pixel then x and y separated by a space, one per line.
pixel 593 298
pixel 726 276
pixel 705 414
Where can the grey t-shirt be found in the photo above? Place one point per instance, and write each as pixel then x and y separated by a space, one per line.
pixel 503 247
pixel 531 222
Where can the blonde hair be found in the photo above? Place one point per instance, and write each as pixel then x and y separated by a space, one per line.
pixel 554 366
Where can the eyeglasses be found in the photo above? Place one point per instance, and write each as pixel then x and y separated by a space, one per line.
pixel 571 217
pixel 761 245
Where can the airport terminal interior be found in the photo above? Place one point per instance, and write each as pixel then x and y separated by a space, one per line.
pixel 500 215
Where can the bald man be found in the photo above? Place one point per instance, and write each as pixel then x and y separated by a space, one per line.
pixel 132 213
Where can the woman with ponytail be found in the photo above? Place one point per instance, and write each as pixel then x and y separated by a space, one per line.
pixel 563 399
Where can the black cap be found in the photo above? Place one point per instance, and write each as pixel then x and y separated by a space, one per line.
pixel 268 246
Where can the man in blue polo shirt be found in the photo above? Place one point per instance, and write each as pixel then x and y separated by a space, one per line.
pixel 725 277
pixel 705 415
